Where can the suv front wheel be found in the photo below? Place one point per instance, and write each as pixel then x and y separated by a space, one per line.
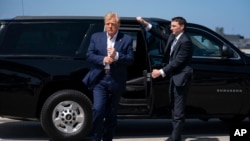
pixel 66 115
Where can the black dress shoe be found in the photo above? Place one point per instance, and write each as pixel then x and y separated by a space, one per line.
pixel 170 139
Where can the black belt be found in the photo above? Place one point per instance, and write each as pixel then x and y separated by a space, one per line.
pixel 107 71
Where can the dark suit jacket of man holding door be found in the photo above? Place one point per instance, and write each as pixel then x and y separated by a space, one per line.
pixel 179 55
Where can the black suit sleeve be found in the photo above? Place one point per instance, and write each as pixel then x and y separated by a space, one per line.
pixel 158 33
pixel 181 58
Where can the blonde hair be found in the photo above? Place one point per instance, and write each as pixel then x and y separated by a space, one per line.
pixel 112 15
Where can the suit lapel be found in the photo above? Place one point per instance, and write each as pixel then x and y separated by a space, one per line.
pixel 177 45
pixel 169 42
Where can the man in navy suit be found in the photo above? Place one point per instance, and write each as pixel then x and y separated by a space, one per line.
pixel 110 53
pixel 178 52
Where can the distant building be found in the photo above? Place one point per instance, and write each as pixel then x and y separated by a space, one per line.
pixel 238 40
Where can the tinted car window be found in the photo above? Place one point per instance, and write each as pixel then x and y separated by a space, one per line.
pixel 140 62
pixel 43 38
pixel 203 46
pixel 154 46
pixel 206 45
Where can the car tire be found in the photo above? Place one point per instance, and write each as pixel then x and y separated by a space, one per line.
pixel 66 115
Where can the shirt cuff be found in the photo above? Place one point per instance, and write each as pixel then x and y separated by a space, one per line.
pixel 148 27
pixel 117 56
pixel 103 62
pixel 162 73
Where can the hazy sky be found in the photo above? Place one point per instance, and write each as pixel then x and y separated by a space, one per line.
pixel 233 15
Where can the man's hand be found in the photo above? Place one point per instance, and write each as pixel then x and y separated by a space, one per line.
pixel 111 52
pixel 142 21
pixel 108 60
pixel 155 73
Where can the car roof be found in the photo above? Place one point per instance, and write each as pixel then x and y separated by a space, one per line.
pixel 50 18
pixel 124 20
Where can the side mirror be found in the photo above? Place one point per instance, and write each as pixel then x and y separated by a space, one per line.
pixel 226 52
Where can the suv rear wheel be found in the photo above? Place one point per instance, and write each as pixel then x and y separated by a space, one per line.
pixel 66 115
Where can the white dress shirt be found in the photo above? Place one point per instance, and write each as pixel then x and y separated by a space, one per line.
pixel 111 43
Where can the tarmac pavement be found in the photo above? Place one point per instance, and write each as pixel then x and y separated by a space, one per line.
pixel 127 130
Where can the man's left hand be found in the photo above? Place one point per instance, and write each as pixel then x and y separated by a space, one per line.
pixel 155 73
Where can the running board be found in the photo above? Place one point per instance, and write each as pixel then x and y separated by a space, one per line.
pixel 133 102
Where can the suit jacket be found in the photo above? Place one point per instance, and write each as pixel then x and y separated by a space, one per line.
pixel 96 52
pixel 178 66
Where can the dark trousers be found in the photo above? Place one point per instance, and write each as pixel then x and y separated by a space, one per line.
pixel 178 96
pixel 104 110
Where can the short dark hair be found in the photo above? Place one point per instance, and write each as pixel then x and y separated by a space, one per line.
pixel 180 20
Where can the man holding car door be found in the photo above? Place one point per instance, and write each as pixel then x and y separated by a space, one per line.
pixel 178 51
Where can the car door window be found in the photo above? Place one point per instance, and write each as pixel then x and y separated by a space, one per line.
pixel 155 49
pixel 207 46
pixel 204 46
pixel 43 38
pixel 140 60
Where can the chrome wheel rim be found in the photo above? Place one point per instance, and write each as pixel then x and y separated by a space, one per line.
pixel 68 117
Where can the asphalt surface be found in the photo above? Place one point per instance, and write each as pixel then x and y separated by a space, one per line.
pixel 127 130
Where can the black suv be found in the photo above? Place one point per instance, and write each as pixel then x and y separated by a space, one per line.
pixel 42 63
